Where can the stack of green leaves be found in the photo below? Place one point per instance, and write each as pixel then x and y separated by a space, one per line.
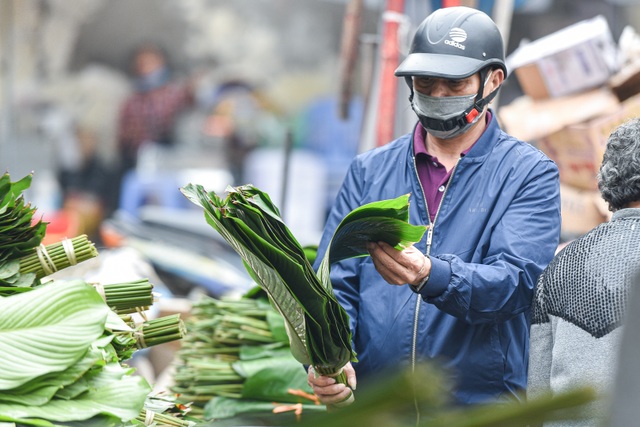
pixel 18 234
pixel 236 360
pixel 136 296
pixel 63 350
pixel 46 260
pixel 130 336
pixel 56 340
pixel 58 361
pixel 316 324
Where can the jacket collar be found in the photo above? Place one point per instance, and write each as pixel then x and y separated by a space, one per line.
pixel 626 213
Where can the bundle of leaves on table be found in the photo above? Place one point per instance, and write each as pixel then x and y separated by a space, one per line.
pixel 236 367
pixel 22 273
pixel 316 324
pixel 18 235
pixel 63 342
pixel 59 364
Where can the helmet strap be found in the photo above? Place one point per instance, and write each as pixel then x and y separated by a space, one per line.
pixel 471 113
pixel 409 81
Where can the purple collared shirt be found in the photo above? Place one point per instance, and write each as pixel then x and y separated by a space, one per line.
pixel 433 175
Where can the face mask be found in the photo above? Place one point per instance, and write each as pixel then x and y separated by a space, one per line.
pixel 442 109
pixel 152 80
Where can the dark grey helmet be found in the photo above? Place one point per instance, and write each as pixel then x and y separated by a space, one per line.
pixel 454 43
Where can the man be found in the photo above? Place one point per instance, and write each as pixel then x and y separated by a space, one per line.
pixel 463 294
pixel 581 296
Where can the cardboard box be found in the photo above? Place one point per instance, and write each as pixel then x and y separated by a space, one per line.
pixel 529 119
pixel 578 149
pixel 579 57
pixel 581 211
pixel 626 82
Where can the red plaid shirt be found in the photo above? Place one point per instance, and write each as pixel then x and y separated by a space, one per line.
pixel 150 116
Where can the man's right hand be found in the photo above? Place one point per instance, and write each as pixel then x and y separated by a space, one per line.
pixel 328 391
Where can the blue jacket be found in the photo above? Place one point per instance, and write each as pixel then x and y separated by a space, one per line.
pixel 497 228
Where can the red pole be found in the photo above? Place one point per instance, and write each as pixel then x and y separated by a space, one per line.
pixel 390 54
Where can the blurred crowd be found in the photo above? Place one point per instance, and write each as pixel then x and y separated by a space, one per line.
pixel 166 128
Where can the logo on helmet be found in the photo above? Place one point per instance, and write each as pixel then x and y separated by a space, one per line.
pixel 457 35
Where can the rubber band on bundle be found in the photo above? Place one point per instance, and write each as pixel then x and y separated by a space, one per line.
pixel 45 260
pixel 100 288
pixel 142 313
pixel 139 336
pixel 69 251
pixel 148 417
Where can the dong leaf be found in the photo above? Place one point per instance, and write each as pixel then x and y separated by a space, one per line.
pixel 34 342
pixel 384 220
pixel 40 390
pixel 271 379
pixel 318 327
pixel 122 398
pixel 18 233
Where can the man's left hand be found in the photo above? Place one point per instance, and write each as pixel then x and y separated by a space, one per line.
pixel 408 266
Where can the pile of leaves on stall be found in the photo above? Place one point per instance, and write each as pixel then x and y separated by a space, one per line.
pixel 236 367
pixel 64 343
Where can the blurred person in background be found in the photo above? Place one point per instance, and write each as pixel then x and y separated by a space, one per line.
pixel 149 114
pixel 238 122
pixel 461 297
pixel 581 296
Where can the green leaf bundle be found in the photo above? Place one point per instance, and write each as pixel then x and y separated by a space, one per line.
pixel 129 336
pixel 18 234
pixel 237 355
pixel 50 338
pixel 317 326
pixel 58 366
pixel 46 260
pixel 229 341
pixel 23 273
pixel 127 297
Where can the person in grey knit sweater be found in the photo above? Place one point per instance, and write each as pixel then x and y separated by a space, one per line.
pixel 580 298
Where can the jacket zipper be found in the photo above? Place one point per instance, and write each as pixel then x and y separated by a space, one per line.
pixel 428 250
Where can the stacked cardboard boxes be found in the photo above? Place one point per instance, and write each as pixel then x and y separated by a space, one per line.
pixel 576 58
pixel 576 92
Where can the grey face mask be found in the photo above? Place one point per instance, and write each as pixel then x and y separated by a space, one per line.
pixel 443 108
